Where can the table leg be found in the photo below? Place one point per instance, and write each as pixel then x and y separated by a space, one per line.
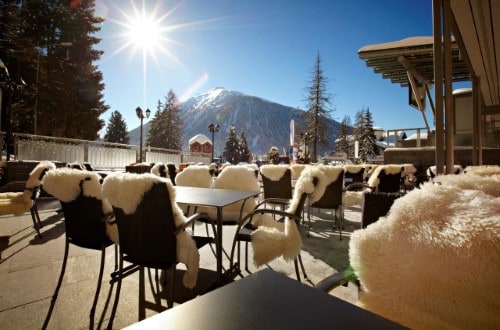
pixel 218 246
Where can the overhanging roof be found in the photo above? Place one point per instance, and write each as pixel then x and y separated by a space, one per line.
pixel 417 52
pixel 478 23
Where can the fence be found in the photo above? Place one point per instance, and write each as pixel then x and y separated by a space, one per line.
pixel 99 154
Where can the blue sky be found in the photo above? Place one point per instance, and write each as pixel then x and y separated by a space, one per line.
pixel 265 48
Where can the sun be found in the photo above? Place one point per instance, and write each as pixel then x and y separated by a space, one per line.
pixel 145 33
pixel 146 30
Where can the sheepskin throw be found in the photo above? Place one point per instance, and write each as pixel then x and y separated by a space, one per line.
pixel 374 180
pixel 18 203
pixel 129 199
pixel 483 170
pixel 159 169
pixel 64 184
pixel 273 172
pixel 273 239
pixel 195 176
pixel 433 261
pixel 235 177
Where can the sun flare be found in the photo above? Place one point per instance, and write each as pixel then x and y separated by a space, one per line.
pixel 145 33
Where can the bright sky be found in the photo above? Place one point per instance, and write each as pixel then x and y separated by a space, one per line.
pixel 265 48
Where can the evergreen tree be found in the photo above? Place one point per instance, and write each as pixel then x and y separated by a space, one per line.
pixel 367 140
pixel 117 131
pixel 367 144
pixel 165 130
pixel 244 151
pixel 342 144
pixel 231 152
pixel 52 44
pixel 155 133
pixel 318 109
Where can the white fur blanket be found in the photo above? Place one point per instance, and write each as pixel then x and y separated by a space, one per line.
pixel 18 203
pixel 235 177
pixel 483 170
pixel 64 184
pixel 159 169
pixel 374 180
pixel 273 239
pixel 273 172
pixel 129 199
pixel 433 262
pixel 195 176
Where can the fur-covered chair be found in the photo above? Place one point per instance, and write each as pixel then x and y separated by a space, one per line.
pixel 235 177
pixel 482 170
pixel 195 176
pixel 333 196
pixel 18 203
pixel 152 231
pixel 85 213
pixel 432 262
pixel 431 171
pixel 272 238
pixel 277 184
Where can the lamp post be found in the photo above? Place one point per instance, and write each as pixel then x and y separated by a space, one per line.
pixel 213 129
pixel 35 116
pixel 140 115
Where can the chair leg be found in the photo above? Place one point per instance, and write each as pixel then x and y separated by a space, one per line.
pixel 171 286
pixel 58 286
pixel 302 267
pixel 99 282
pixel 117 295
pixel 296 269
pixel 142 294
pixel 36 219
pixel 309 209
pixel 63 269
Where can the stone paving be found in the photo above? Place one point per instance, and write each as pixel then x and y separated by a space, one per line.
pixel 30 267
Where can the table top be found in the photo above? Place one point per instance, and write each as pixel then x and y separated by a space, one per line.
pixel 210 196
pixel 266 300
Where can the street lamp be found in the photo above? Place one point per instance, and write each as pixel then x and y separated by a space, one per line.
pixel 62 44
pixel 213 129
pixel 140 115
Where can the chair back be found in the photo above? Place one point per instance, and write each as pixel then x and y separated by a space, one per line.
pixel 195 176
pixel 274 187
pixel 353 174
pixel 147 236
pixel 332 198
pixel 80 195
pixel 84 222
pixel 172 172
pixel 386 178
pixel 389 183
pixel 375 205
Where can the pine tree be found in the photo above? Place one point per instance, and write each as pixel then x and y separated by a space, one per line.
pixel 318 109
pixel 342 144
pixel 165 130
pixel 54 51
pixel 231 153
pixel 244 151
pixel 117 131
pixel 367 140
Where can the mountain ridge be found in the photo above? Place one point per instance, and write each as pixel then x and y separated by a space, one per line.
pixel 266 123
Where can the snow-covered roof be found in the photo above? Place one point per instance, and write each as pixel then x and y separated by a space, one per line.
pixel 200 138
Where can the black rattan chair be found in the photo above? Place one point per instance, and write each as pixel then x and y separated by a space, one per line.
pixel 148 236
pixel 84 220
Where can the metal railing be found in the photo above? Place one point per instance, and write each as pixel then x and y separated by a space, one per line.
pixel 99 154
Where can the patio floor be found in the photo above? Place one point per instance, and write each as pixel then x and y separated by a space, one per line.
pixel 30 267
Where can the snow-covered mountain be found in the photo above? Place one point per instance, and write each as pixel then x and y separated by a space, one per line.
pixel 265 123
